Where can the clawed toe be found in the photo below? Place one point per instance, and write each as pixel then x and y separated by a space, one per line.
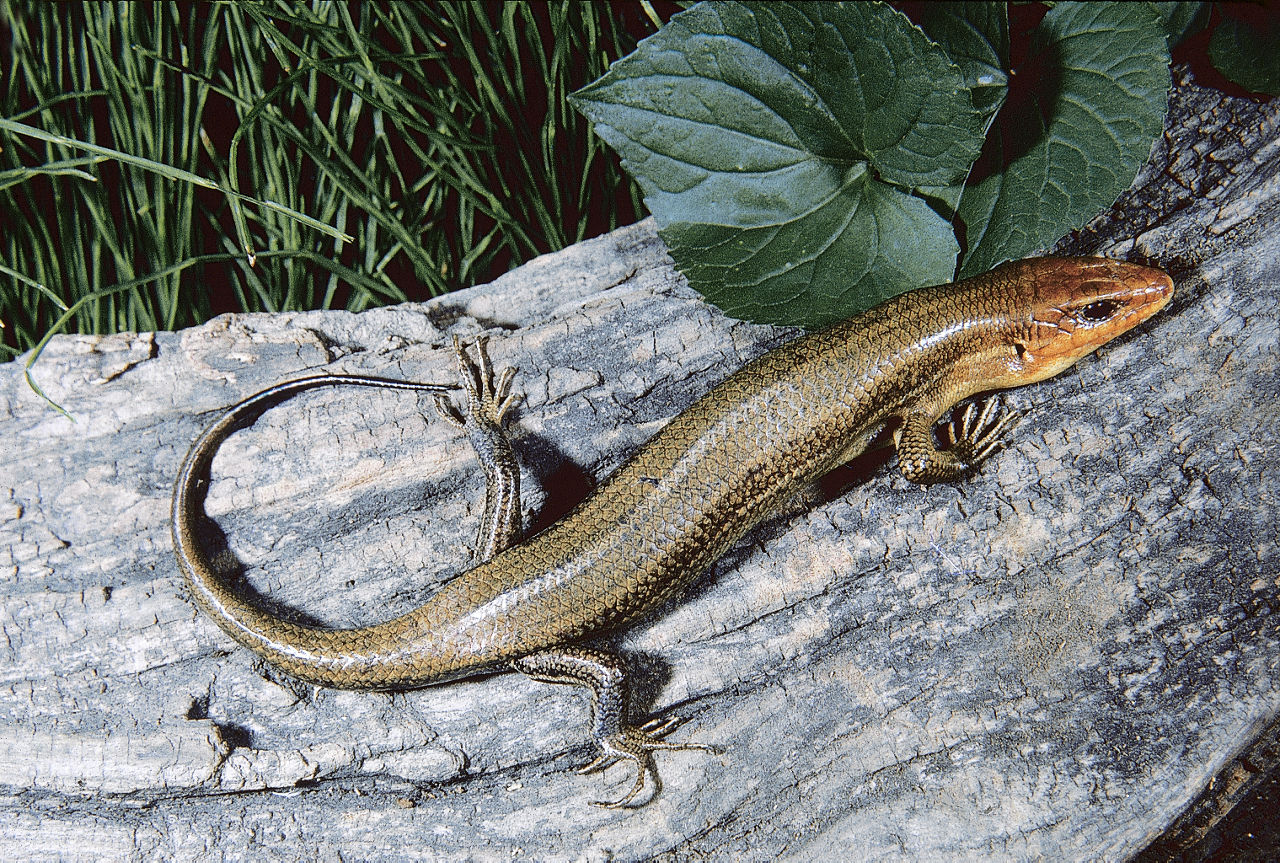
pixel 659 727
pixel 600 762
pixel 975 433
pixel 644 766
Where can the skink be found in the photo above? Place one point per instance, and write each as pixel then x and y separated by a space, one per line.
pixel 694 489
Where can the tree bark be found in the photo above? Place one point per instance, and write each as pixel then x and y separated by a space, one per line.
pixel 1054 659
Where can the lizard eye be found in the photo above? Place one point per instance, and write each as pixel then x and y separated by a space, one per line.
pixel 1098 311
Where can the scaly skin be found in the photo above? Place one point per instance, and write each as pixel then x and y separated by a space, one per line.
pixel 702 482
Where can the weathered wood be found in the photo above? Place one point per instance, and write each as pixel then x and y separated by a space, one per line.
pixel 1051 660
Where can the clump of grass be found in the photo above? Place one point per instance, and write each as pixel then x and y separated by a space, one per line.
pixel 161 163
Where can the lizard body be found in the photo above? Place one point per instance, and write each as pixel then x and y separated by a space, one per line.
pixel 696 487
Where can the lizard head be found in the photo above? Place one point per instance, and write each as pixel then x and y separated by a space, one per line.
pixel 1068 307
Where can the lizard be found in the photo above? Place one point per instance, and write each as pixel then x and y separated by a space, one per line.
pixel 541 605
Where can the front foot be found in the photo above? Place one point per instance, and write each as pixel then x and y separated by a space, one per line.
pixel 636 745
pixel 973 435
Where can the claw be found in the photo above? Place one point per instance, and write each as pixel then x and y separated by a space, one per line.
pixel 644 766
pixel 600 762
pixel 657 728
pixel 502 393
pixel 448 412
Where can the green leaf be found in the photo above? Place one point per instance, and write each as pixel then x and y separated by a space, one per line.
pixel 1066 149
pixel 770 135
pixel 976 36
pixel 851 252
pixel 1249 52
pixel 1181 20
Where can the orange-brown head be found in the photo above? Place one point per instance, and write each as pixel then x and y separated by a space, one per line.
pixel 1068 307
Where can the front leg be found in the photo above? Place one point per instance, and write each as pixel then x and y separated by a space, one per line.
pixel 481 418
pixel 604 674
pixel 972 437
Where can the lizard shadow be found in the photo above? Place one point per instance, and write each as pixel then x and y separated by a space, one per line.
pixel 216 545
pixel 565 483
pixel 231 571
